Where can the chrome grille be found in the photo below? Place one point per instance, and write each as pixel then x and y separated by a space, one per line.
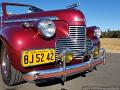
pixel 89 44
pixel 76 42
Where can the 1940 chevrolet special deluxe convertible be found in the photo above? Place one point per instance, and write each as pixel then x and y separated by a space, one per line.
pixel 39 45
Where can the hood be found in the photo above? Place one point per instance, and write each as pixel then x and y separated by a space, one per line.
pixel 71 16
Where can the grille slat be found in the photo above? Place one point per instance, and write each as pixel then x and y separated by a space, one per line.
pixel 82 33
pixel 73 46
pixel 64 41
pixel 76 35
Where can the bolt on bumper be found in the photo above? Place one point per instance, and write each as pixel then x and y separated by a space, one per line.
pixel 65 71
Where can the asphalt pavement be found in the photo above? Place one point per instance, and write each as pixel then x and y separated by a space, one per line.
pixel 106 76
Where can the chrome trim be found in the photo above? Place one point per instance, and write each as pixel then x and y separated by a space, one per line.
pixel 30 19
pixel 55 70
pixel 104 52
pixel 34 75
pixel 1 21
pixel 64 68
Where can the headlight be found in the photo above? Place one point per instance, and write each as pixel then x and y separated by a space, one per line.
pixel 46 27
pixel 97 32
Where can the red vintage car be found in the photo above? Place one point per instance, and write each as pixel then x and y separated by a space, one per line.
pixel 38 45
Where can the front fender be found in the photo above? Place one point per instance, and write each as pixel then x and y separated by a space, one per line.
pixel 90 35
pixel 17 38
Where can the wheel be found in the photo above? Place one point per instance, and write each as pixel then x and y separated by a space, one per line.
pixel 10 75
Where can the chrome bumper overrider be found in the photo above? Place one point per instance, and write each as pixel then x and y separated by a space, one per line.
pixel 65 71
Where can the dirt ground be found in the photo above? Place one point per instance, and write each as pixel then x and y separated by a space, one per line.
pixel 111 44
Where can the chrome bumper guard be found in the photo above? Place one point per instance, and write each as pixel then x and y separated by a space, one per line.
pixel 65 71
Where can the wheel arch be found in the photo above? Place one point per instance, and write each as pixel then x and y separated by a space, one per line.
pixel 1 42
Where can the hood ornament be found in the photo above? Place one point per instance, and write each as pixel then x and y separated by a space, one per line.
pixel 73 5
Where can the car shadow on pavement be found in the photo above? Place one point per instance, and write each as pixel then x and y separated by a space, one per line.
pixel 50 82
pixel 10 89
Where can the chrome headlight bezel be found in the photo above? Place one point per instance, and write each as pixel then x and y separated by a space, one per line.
pixel 97 32
pixel 46 27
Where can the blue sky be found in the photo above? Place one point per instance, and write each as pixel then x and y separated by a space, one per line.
pixel 102 13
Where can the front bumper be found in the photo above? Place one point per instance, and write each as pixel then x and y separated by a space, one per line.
pixel 65 71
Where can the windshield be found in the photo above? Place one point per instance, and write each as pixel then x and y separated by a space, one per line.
pixel 0 16
pixel 14 9
pixel 0 9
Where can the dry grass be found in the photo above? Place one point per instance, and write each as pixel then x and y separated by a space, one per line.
pixel 111 44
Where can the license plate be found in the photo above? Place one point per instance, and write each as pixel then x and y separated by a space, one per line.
pixel 37 57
